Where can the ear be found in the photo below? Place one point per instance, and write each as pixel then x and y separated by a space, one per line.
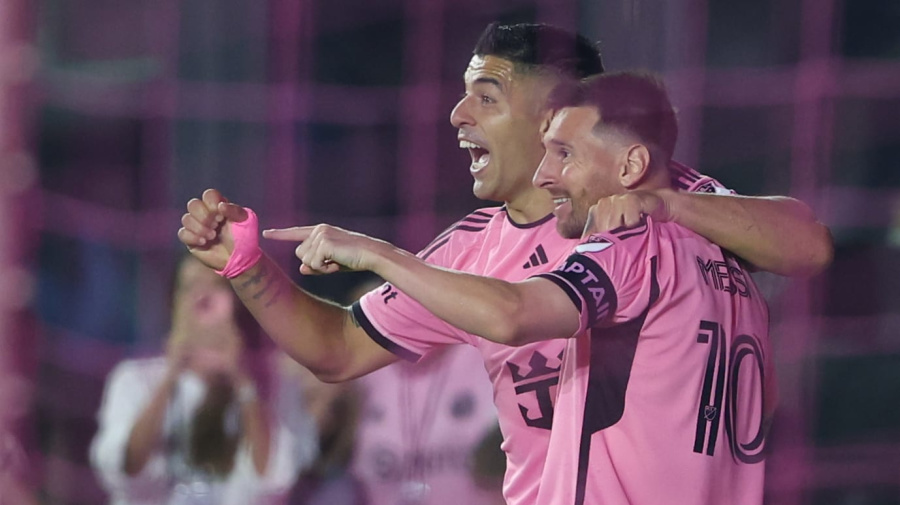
pixel 636 166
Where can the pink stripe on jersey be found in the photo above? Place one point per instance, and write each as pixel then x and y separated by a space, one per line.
pixel 666 393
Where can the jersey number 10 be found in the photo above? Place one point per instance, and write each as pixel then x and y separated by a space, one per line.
pixel 722 386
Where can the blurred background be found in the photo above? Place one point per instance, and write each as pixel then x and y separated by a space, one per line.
pixel 114 113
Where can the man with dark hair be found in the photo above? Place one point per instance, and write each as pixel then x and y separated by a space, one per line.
pixel 499 121
pixel 666 390
pixel 541 48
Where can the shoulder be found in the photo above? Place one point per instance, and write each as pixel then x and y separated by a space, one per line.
pixel 478 220
pixel 624 252
pixel 466 229
pixel 622 237
pixel 686 178
pixel 484 214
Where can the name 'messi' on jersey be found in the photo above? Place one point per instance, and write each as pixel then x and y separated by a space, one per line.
pixel 724 275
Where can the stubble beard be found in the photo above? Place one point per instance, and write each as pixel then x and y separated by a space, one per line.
pixel 570 228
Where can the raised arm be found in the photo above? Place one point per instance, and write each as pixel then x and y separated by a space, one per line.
pixel 320 335
pixel 508 313
pixel 777 234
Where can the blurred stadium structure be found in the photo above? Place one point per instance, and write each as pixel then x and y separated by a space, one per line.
pixel 337 110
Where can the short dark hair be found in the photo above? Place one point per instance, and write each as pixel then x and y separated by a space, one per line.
pixel 632 102
pixel 534 47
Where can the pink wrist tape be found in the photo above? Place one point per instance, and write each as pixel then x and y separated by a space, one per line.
pixel 246 251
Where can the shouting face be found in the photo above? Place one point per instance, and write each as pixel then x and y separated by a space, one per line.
pixel 499 120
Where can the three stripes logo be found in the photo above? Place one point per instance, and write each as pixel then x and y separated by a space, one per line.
pixel 538 258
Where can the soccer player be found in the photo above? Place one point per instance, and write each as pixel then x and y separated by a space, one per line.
pixel 667 387
pixel 499 118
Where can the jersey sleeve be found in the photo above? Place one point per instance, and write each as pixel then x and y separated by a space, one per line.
pixel 604 276
pixel 686 178
pixel 402 325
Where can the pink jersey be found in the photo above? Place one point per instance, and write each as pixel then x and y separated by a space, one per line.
pixel 419 428
pixel 488 243
pixel 667 390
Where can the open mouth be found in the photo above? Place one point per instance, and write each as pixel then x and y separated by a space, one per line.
pixel 560 202
pixel 480 155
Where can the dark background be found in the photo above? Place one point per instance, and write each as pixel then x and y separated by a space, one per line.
pixel 337 111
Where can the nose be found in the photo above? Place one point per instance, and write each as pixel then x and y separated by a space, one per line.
pixel 460 115
pixel 545 175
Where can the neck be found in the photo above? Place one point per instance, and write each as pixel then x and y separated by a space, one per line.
pixel 657 179
pixel 529 206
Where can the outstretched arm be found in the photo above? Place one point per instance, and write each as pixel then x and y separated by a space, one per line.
pixel 318 334
pixel 777 234
pixel 508 313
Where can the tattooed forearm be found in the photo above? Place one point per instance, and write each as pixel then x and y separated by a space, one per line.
pixel 272 281
pixel 263 271
pixel 279 289
pixel 272 285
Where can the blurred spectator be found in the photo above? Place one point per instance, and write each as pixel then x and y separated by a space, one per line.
pixel 335 407
pixel 421 428
pixel 208 422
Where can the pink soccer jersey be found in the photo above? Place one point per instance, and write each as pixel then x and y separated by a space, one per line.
pixel 488 243
pixel 667 390
pixel 419 428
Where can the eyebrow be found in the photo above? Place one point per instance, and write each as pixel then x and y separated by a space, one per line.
pixel 488 80
pixel 559 143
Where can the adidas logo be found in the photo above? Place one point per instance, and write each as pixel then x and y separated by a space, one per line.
pixel 538 258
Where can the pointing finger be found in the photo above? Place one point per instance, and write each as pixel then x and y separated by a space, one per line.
pixel 293 234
